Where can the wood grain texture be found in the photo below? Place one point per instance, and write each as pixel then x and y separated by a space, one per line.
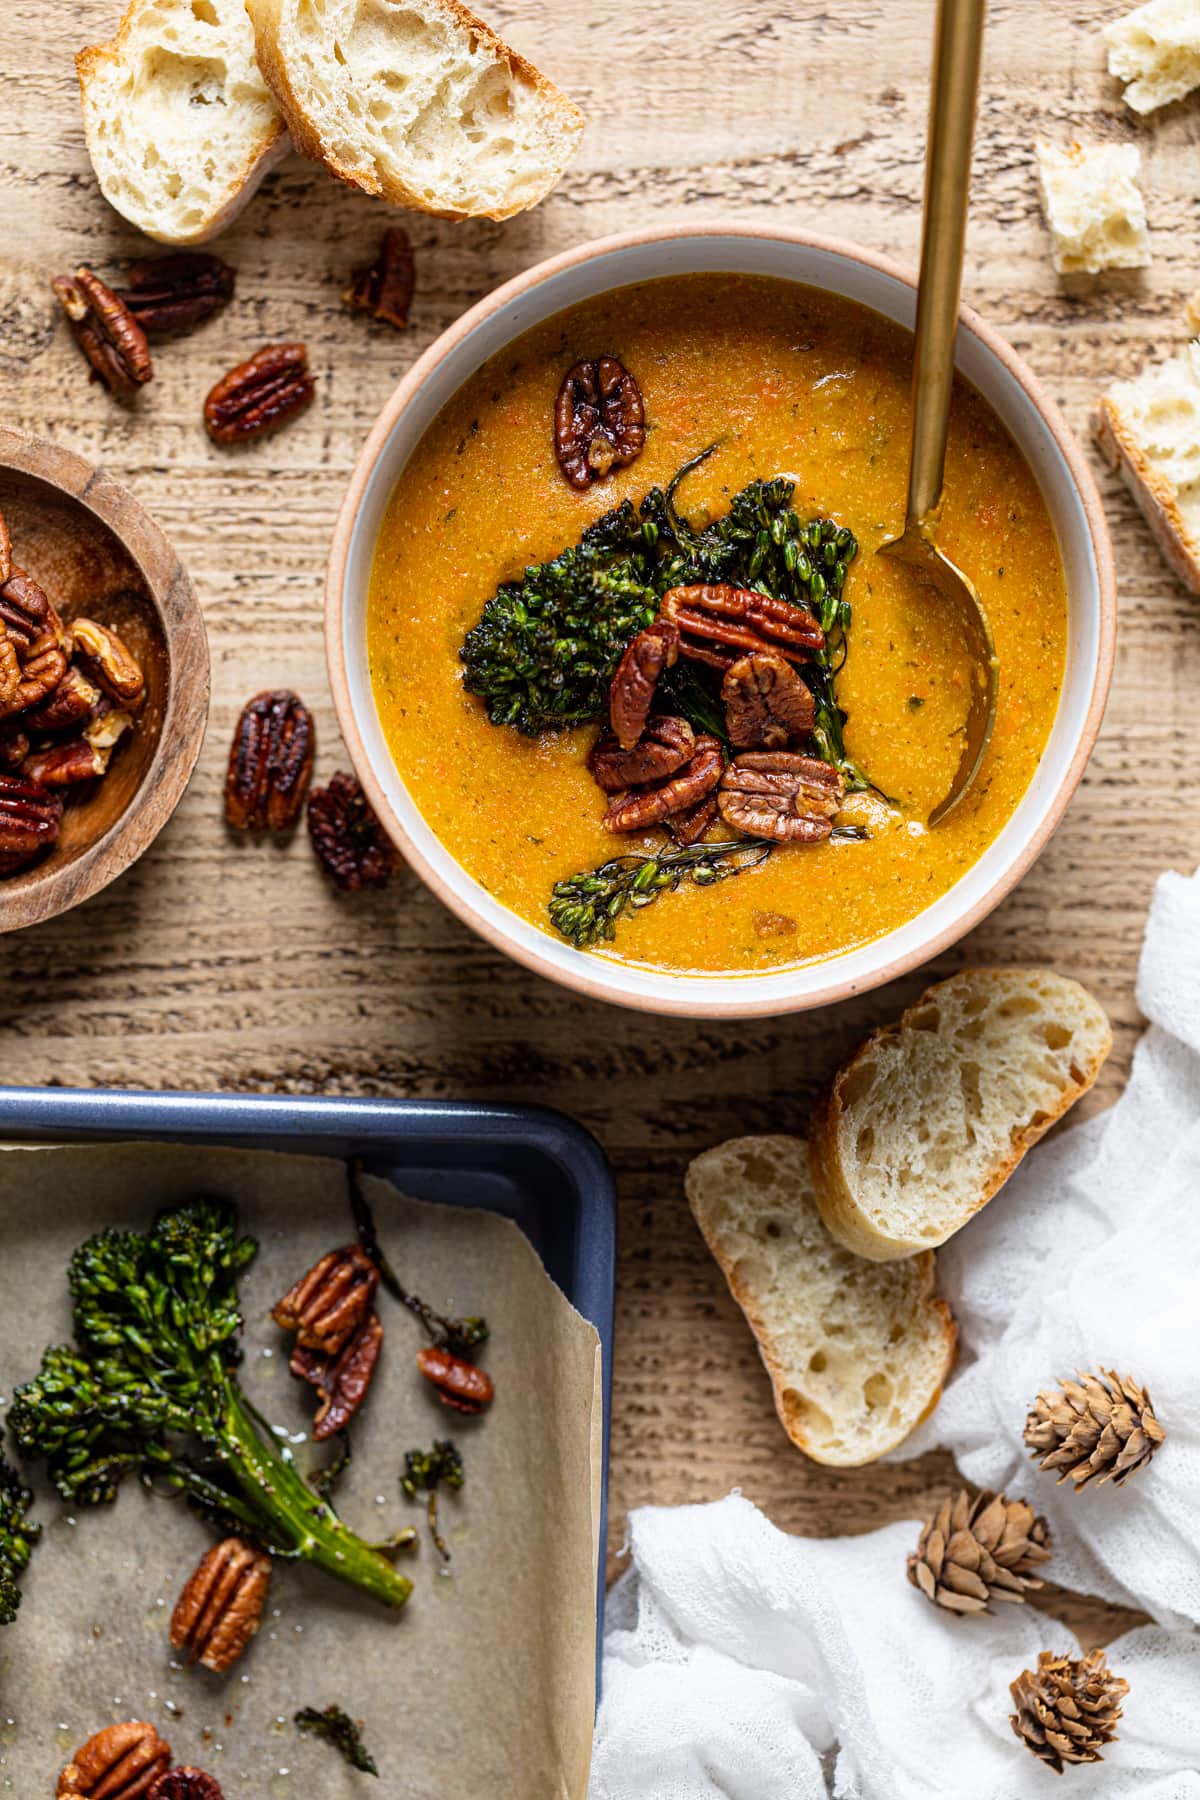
pixel 232 964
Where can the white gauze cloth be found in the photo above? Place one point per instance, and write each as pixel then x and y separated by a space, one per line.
pixel 1090 1259
pixel 743 1664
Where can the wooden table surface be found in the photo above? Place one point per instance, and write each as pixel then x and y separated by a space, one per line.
pixel 228 964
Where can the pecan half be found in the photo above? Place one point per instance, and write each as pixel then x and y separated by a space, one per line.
pixel 171 294
pixel 341 1381
pixel 328 1304
pixel 458 1382
pixel 767 705
pixel 599 420
pixel 24 608
pixel 690 826
pixel 75 698
pixel 270 763
pixel 5 551
pixel 106 331
pixel 186 1783
pixel 258 396
pixel 10 673
pixel 646 806
pixel 65 765
pixel 386 289
pixel 122 1762
pixel 29 820
pixel 108 661
pixel 636 677
pixel 350 843
pixel 665 745
pixel 221 1606
pixel 41 670
pixel 716 622
pixel 782 795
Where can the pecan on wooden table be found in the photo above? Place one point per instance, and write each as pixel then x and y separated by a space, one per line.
pixel 106 331
pixel 385 290
pixel 270 763
pixel 221 1606
pixel 767 705
pixel 645 806
pixel 122 1762
pixel 259 395
pixel 168 295
pixel 717 623
pixel 186 1783
pixel 782 795
pixel 631 693
pixel 599 420
pixel 664 746
pixel 459 1383
pixel 30 816
pixel 350 843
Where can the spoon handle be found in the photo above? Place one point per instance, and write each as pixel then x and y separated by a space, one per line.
pixel 954 90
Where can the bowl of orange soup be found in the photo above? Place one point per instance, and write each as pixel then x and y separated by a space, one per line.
pixel 619 662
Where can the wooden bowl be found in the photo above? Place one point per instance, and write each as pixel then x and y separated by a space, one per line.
pixel 96 552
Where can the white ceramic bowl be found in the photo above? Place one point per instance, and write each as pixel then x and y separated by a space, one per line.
pixel 983 357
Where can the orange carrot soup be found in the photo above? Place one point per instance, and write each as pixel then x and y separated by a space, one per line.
pixel 700 723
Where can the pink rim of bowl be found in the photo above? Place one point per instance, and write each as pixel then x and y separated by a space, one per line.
pixel 983 357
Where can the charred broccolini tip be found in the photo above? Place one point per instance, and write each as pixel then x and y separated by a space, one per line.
pixel 545 649
pixel 18 1535
pixel 427 1470
pixel 462 1337
pixel 339 1729
pixel 150 1388
pixel 585 908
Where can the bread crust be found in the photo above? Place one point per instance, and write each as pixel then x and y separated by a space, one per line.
pixel 1155 495
pixel 92 64
pixel 266 16
pixel 839 1210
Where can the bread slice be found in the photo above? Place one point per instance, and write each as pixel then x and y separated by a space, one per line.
pixel 417 100
pixel 857 1353
pixel 1093 206
pixel 930 1117
pixel 1156 49
pixel 180 125
pixel 1149 429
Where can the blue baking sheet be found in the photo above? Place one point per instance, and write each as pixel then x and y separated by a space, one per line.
pixel 534 1166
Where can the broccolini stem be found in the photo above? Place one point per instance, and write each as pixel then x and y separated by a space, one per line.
pixel 305 1523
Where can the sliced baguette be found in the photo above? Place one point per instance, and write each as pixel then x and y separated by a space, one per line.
pixel 1156 50
pixel 929 1118
pixel 1149 429
pixel 857 1354
pixel 180 125
pixel 1093 206
pixel 418 101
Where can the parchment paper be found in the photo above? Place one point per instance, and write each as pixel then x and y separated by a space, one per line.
pixel 482 1687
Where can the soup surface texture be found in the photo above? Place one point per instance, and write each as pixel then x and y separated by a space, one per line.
pixel 787 381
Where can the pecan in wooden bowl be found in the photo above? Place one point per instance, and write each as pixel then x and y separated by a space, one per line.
pixel 104 679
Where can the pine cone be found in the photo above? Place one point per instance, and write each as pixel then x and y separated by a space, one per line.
pixel 1067 1709
pixel 1096 1428
pixel 975 1551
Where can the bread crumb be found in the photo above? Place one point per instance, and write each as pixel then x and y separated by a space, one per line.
pixel 1093 206
pixel 1156 50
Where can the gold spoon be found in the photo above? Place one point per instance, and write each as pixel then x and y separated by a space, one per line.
pixel 955 87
